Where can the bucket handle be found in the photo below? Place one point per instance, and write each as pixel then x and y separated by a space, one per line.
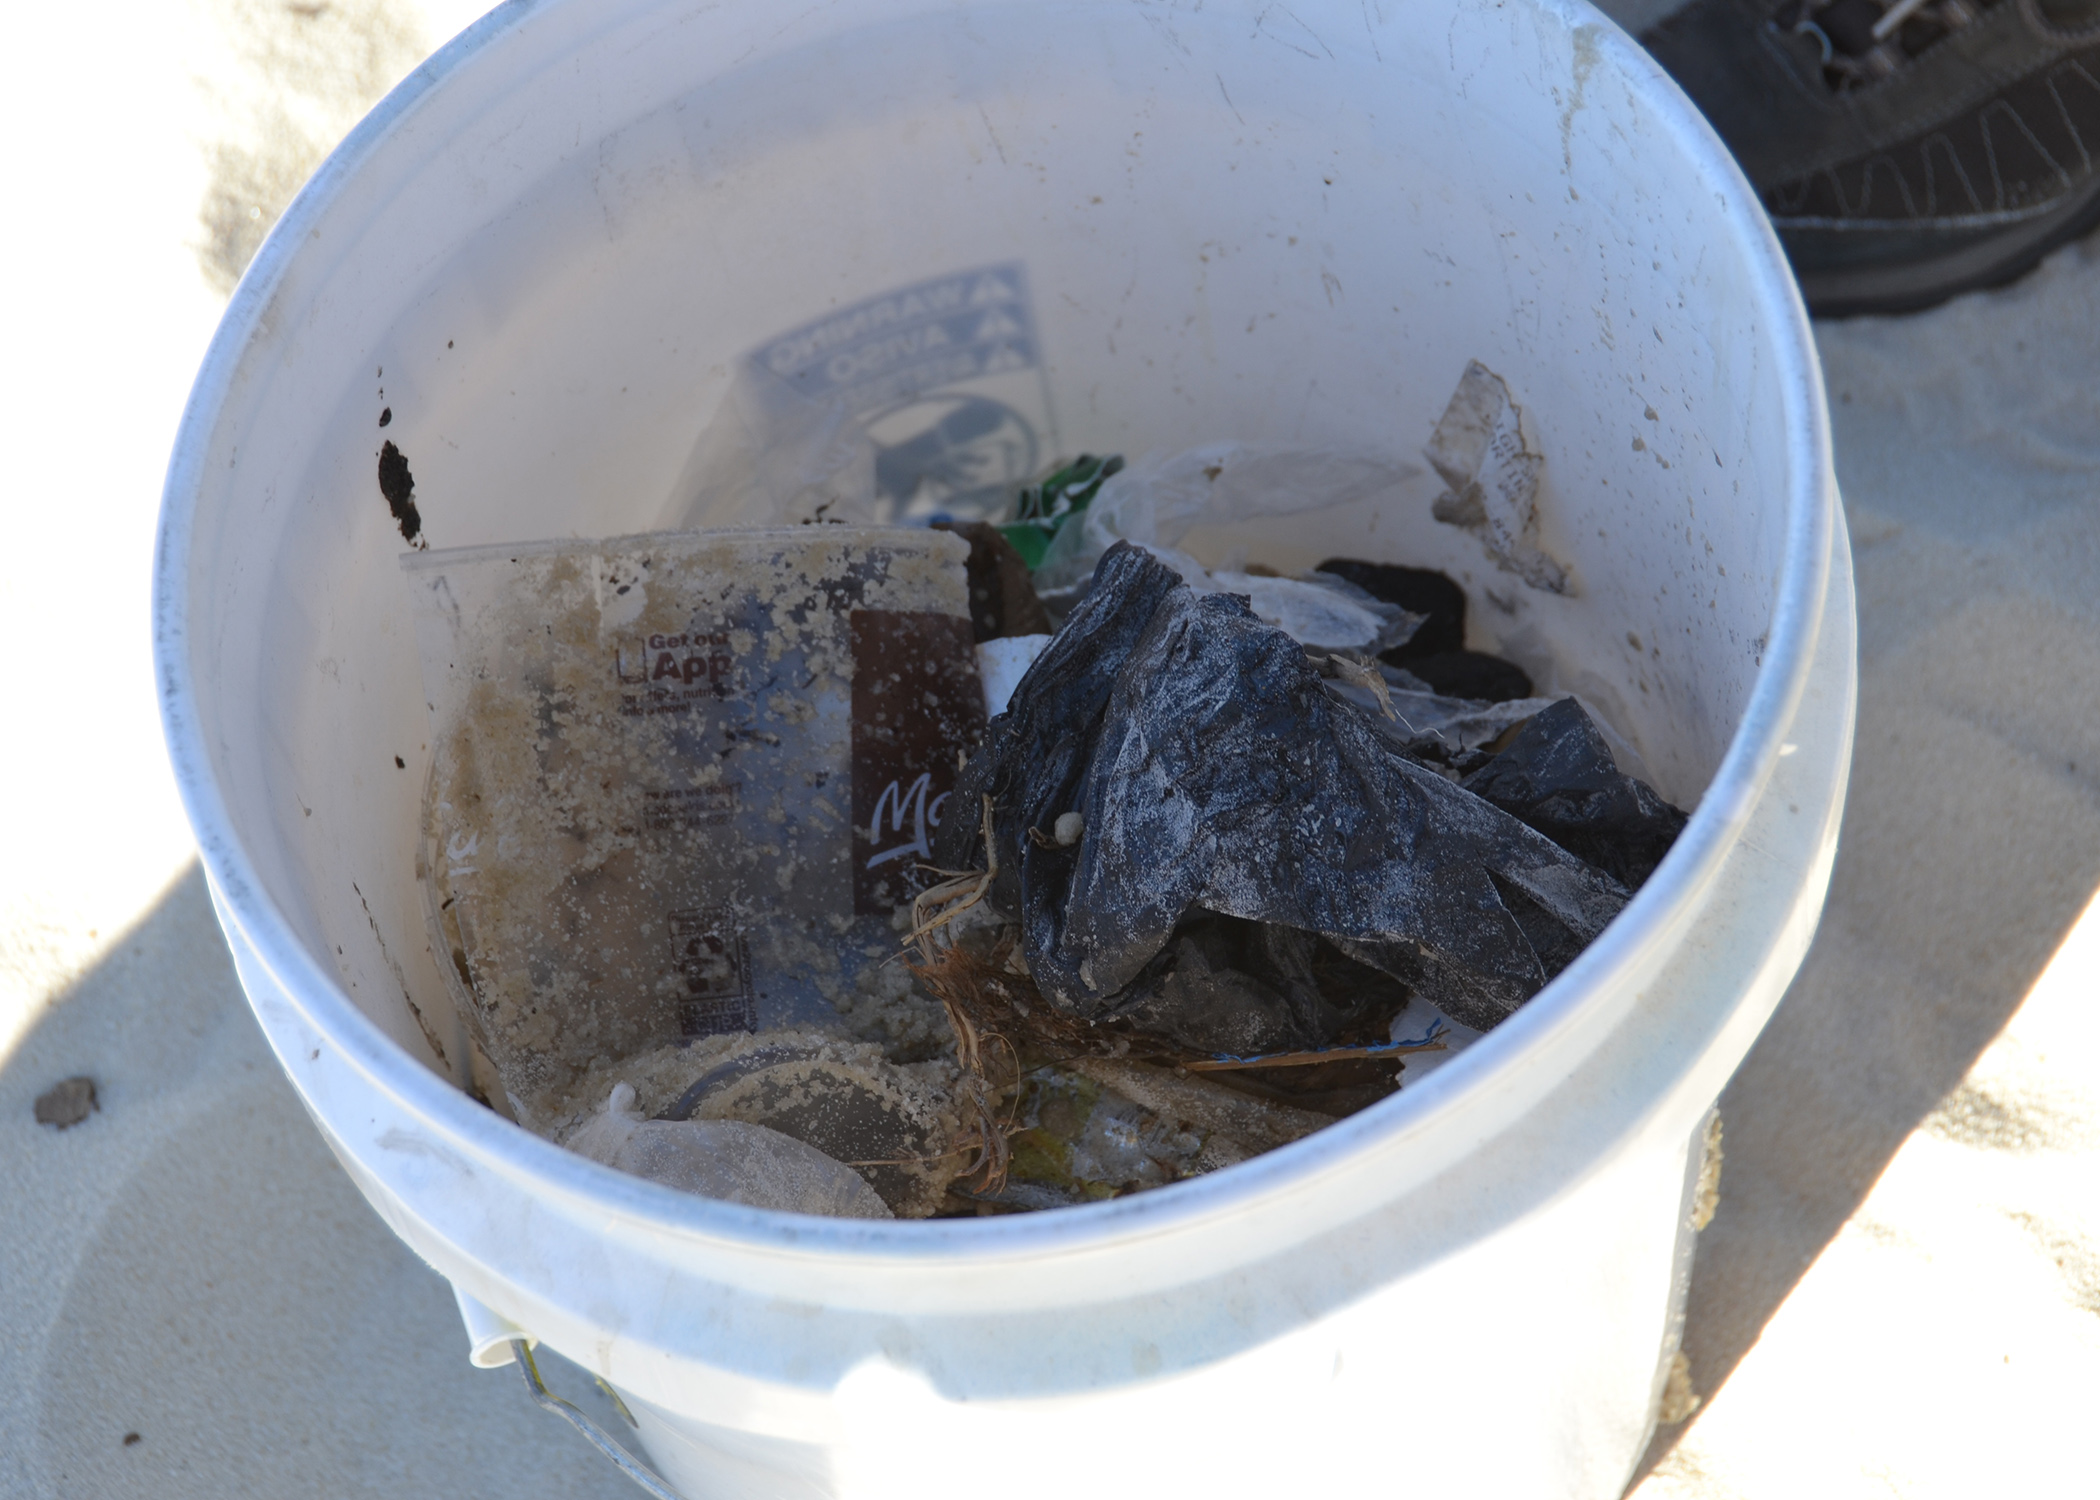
pixel 599 1438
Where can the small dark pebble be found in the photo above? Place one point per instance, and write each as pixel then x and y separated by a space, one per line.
pixel 132 1440
pixel 386 415
pixel 400 764
pixel 66 1104
pixel 1468 674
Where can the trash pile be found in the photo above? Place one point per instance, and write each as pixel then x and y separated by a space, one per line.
pixel 1229 868
pixel 987 867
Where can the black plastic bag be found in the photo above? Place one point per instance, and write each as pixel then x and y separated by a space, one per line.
pixel 1558 776
pixel 1220 784
pixel 1435 654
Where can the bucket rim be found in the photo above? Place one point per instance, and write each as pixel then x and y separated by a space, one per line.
pixel 1469 1083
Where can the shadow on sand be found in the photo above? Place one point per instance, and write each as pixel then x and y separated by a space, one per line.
pixel 198 1301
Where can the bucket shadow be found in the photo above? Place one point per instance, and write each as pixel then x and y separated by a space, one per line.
pixel 204 1292
pixel 1971 845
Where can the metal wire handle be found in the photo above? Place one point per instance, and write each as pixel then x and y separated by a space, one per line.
pixel 599 1438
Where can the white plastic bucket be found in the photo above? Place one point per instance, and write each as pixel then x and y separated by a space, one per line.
pixel 545 254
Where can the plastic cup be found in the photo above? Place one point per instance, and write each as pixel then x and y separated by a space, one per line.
pixel 681 783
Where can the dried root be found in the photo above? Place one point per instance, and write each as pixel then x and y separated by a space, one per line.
pixel 993 1008
pixel 943 970
pixel 937 906
pixel 1362 674
pixel 948 974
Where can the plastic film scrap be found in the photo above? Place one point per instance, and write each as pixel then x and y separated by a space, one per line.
pixel 727 1159
pixel 1479 450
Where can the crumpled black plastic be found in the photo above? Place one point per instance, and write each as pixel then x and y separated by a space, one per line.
pixel 1436 653
pixel 1224 789
pixel 1558 776
pixel 1468 674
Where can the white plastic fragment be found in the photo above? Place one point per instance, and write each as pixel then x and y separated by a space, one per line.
pixel 1479 450
pixel 725 1159
pixel 1461 723
pixel 1422 1022
pixel 772 455
pixel 1001 664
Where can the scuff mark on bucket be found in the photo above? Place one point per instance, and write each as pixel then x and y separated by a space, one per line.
pixel 400 978
pixel 409 1143
pixel 1586 57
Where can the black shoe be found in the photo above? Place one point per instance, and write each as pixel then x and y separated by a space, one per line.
pixel 1907 152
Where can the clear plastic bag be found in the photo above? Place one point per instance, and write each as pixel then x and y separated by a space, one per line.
pixel 726 1159
pixel 772 455
pixel 1155 503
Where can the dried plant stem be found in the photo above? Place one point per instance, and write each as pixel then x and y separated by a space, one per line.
pixel 1305 1059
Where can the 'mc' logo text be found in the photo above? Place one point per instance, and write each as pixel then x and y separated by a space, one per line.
pixel 912 813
